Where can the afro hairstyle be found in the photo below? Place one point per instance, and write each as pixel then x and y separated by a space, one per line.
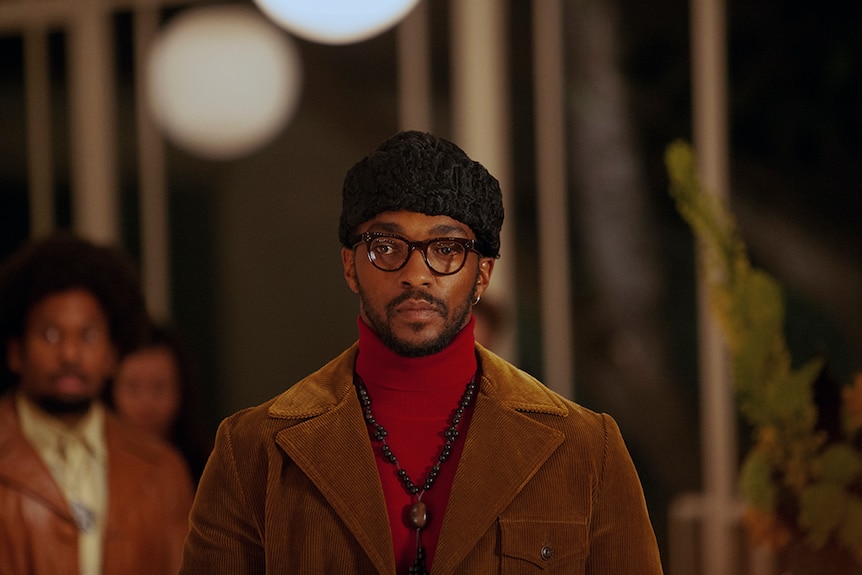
pixel 63 262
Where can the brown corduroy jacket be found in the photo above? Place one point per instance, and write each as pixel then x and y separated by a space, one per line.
pixel 543 486
pixel 149 497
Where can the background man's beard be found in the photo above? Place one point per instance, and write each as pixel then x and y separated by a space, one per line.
pixel 56 406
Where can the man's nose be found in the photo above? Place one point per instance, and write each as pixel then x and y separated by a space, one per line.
pixel 70 349
pixel 416 271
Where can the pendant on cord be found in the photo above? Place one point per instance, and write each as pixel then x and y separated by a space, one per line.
pixel 417 515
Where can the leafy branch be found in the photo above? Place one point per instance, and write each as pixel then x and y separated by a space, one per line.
pixel 792 479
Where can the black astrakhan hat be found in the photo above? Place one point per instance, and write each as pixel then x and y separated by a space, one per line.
pixel 422 173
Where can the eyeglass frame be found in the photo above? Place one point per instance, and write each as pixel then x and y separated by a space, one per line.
pixel 367 237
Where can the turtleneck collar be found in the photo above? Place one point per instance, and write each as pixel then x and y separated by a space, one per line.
pixel 378 365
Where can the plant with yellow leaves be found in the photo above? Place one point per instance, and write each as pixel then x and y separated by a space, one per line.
pixel 796 480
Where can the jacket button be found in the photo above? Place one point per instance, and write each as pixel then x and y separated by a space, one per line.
pixel 547 552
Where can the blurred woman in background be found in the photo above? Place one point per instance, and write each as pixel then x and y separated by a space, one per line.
pixel 153 390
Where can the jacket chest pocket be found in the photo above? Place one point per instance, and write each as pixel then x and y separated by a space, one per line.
pixel 535 546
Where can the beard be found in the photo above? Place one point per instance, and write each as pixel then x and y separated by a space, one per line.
pixel 58 407
pixel 382 323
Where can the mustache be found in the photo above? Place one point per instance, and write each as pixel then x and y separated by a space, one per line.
pixel 420 295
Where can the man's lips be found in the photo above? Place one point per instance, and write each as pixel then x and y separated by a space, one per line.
pixel 419 308
pixel 414 305
pixel 70 383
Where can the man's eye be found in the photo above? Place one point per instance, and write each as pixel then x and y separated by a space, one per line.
pixel 92 335
pixel 51 335
pixel 447 249
pixel 385 248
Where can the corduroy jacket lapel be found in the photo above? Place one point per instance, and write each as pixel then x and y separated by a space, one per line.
pixel 332 447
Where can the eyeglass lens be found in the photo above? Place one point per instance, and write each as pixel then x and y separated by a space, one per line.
pixel 443 256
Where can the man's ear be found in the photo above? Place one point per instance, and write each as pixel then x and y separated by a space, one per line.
pixel 348 260
pixel 486 268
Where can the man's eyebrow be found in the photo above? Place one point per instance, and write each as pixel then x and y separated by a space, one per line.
pixel 448 230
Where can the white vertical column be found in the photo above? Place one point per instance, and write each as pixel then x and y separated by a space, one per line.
pixel 709 88
pixel 40 164
pixel 480 106
pixel 548 70
pixel 154 213
pixel 414 71
pixel 95 209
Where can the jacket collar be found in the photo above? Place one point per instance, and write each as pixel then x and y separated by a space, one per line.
pixel 328 387
pixel 21 466
pixel 330 443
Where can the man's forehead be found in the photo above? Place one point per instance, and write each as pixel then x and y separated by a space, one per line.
pixel 404 221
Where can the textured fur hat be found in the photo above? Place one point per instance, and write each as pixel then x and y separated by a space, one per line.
pixel 422 173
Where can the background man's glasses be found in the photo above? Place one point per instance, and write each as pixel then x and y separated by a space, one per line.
pixel 389 253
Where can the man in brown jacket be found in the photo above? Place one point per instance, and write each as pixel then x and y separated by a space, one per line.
pixel 417 450
pixel 80 493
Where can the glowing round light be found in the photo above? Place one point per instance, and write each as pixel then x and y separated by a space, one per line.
pixel 222 80
pixel 336 21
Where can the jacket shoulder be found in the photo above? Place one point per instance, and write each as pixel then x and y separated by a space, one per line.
pixel 309 397
pixel 318 392
pixel 518 390
pixel 153 450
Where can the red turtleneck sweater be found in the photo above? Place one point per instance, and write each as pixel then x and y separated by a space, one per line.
pixel 414 399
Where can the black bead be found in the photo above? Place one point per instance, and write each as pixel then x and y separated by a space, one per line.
pixel 418 566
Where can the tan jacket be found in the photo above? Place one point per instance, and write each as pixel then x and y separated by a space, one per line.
pixel 543 486
pixel 149 496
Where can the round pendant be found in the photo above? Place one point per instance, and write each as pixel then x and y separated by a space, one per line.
pixel 417 515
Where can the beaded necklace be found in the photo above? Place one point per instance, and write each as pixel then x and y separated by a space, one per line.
pixel 416 514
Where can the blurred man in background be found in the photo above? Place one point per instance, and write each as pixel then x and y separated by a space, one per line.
pixel 80 492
